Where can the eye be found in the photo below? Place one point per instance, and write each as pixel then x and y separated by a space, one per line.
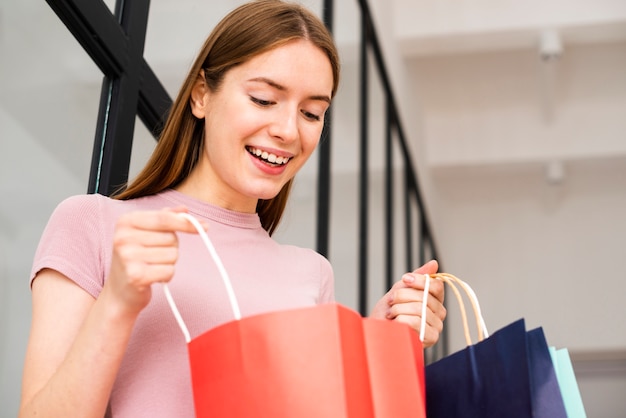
pixel 311 116
pixel 261 102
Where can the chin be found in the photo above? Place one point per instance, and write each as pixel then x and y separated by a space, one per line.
pixel 264 190
pixel 267 196
pixel 266 193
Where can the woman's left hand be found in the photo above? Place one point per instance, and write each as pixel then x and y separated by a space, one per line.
pixel 403 303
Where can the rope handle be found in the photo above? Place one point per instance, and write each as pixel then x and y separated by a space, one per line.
pixel 452 281
pixel 480 321
pixel 220 267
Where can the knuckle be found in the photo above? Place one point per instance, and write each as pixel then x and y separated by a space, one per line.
pixel 444 313
pixel 167 272
pixel 135 273
pixel 172 254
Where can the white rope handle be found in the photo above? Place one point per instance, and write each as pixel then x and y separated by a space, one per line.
pixel 479 314
pixel 459 298
pixel 450 281
pixel 482 327
pixel 424 306
pixel 480 321
pixel 220 267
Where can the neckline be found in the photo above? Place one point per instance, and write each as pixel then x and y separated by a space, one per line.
pixel 212 212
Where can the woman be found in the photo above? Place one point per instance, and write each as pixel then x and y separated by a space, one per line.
pixel 248 116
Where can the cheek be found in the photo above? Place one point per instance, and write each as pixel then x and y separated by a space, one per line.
pixel 310 140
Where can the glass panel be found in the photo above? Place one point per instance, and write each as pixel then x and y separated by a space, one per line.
pixel 110 4
pixel 143 145
pixel 168 56
pixel 345 156
pixel 377 188
pixel 48 109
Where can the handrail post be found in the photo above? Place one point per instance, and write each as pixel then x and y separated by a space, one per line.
pixel 363 171
pixel 323 177
pixel 389 196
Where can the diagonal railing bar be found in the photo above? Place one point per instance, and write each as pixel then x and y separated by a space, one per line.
pixel 130 87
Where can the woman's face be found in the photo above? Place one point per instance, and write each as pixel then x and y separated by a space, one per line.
pixel 261 125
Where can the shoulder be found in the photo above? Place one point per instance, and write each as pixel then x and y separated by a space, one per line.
pixel 80 216
pixel 81 203
pixel 92 207
pixel 307 257
pixel 75 208
pixel 92 216
pixel 320 269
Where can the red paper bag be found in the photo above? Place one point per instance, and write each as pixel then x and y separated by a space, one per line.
pixel 396 364
pixel 319 362
pixel 324 361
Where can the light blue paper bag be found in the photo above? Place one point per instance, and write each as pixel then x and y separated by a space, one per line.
pixel 567 382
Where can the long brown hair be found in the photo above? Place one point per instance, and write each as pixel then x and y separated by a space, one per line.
pixel 247 31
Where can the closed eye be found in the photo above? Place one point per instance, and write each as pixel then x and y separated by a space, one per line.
pixel 311 116
pixel 261 102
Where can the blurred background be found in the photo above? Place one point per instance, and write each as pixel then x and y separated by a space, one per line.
pixel 515 116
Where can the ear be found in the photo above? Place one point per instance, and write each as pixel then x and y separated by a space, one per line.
pixel 199 96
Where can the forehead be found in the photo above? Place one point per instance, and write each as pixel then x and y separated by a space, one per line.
pixel 297 63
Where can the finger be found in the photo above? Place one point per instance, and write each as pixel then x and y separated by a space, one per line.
pixel 149 255
pixel 166 220
pixel 407 296
pixel 433 317
pixel 418 282
pixel 141 275
pixel 430 267
pixel 143 237
pixel 431 333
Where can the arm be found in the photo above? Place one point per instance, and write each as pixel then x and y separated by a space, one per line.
pixel 74 351
pixel 403 303
pixel 77 342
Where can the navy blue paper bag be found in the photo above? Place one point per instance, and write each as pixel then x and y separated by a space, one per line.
pixel 509 374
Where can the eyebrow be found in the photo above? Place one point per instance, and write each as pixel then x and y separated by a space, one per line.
pixel 280 87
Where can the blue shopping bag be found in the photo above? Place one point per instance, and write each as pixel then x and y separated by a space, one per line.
pixel 508 374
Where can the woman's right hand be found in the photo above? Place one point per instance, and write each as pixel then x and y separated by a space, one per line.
pixel 145 251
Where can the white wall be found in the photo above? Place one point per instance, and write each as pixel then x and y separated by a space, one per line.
pixel 547 247
pixel 31 184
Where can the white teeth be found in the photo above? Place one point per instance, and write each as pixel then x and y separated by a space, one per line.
pixel 271 158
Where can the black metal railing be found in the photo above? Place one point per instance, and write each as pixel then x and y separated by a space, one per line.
pixel 418 234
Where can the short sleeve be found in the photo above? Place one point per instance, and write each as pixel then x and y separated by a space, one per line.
pixel 72 243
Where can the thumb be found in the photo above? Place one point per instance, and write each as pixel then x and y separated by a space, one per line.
pixel 430 267
pixel 408 280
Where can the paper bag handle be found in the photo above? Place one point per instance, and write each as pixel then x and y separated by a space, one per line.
pixel 480 321
pixel 451 280
pixel 220 267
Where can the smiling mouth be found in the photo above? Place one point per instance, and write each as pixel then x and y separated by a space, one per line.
pixel 268 158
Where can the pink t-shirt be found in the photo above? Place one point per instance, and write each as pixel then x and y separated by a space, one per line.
pixel 154 378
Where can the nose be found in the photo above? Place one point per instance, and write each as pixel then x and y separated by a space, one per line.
pixel 285 125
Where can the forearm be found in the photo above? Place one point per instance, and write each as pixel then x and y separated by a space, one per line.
pixel 81 385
